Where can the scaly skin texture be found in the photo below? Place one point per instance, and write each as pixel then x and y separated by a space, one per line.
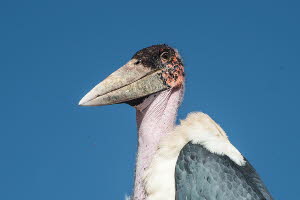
pixel 156 118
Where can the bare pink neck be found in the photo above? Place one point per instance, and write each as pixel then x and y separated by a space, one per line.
pixel 154 121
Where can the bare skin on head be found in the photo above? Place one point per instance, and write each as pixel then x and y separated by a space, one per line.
pixel 152 82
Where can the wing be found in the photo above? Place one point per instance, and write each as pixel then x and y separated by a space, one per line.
pixel 200 174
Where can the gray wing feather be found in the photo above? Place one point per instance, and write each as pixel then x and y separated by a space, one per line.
pixel 202 175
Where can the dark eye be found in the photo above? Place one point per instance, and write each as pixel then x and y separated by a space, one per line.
pixel 165 56
pixel 137 62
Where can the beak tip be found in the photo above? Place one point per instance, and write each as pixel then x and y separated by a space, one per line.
pixel 88 100
pixel 83 101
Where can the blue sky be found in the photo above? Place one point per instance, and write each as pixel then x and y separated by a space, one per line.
pixel 242 63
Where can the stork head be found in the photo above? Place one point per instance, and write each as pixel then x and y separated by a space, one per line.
pixel 150 71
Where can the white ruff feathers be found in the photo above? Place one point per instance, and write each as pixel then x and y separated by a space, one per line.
pixel 198 128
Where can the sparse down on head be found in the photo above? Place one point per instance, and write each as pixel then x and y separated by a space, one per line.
pixel 151 70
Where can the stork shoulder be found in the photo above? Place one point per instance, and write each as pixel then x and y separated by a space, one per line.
pixel 197 128
pixel 203 130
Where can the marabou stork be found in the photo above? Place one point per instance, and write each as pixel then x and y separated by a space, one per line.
pixel 191 161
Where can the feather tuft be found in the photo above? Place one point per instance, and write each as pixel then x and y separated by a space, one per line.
pixel 198 128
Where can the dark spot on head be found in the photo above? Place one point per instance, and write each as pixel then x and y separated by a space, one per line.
pixel 156 56
pixel 165 56
pixel 137 62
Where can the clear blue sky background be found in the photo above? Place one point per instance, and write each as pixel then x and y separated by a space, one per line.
pixel 242 63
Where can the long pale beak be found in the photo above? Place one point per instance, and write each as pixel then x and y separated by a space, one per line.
pixel 130 82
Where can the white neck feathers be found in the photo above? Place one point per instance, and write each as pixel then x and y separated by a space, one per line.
pixel 198 128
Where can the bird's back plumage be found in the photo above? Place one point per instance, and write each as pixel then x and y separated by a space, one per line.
pixel 197 161
pixel 202 175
